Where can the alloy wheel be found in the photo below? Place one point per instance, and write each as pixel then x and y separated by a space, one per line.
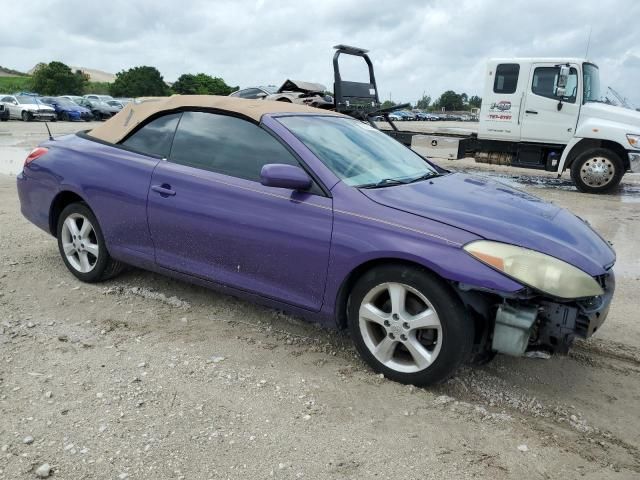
pixel 400 327
pixel 80 243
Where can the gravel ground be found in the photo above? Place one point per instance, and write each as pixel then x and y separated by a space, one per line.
pixel 145 377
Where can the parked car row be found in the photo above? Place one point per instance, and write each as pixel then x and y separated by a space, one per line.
pixel 406 115
pixel 29 106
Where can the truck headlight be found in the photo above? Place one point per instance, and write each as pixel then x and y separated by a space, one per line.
pixel 535 269
pixel 634 140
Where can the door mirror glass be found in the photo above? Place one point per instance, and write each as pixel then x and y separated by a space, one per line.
pixel 280 175
pixel 261 95
pixel 562 80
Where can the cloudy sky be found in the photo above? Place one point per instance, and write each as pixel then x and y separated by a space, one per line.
pixel 417 45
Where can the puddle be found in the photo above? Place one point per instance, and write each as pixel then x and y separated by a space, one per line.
pixel 12 159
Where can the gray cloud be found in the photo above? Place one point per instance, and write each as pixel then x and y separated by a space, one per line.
pixel 417 46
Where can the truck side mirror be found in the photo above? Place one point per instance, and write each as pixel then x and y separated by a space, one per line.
pixel 562 80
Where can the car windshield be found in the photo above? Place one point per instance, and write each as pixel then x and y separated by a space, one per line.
pixel 591 82
pixel 65 102
pixel 356 152
pixel 26 99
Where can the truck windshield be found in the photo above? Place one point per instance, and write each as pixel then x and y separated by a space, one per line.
pixel 591 82
pixel 358 153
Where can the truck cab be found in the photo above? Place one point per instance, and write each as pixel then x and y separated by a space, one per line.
pixel 546 113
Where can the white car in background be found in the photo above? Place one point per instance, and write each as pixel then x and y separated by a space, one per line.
pixel 291 91
pixel 28 108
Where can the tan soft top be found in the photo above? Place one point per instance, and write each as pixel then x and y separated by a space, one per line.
pixel 119 126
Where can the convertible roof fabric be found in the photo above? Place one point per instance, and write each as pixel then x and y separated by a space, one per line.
pixel 133 114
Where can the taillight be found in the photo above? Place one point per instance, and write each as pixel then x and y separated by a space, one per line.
pixel 35 154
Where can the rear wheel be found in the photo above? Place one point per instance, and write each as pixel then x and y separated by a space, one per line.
pixel 598 170
pixel 82 247
pixel 407 324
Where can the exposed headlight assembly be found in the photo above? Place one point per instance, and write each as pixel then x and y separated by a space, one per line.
pixel 634 140
pixel 535 269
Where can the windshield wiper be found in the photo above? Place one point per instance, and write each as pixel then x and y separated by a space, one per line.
pixel 425 176
pixel 385 182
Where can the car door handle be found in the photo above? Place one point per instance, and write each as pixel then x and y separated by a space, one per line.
pixel 531 111
pixel 164 190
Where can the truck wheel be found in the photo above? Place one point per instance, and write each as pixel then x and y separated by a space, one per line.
pixel 408 325
pixel 597 171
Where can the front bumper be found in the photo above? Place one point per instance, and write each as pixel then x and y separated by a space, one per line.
pixel 43 115
pixel 546 324
pixel 634 162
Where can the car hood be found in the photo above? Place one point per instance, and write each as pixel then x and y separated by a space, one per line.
pixel 301 86
pixel 498 212
pixel 78 109
pixel 611 113
pixel 35 106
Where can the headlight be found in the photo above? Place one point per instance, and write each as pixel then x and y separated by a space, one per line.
pixel 535 269
pixel 634 140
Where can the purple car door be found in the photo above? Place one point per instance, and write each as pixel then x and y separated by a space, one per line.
pixel 210 216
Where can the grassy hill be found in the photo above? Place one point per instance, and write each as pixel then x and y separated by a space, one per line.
pixel 10 85
pixel 14 84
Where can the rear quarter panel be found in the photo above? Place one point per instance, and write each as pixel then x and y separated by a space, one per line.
pixel 114 182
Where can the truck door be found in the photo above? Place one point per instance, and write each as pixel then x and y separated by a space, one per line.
pixel 505 84
pixel 547 117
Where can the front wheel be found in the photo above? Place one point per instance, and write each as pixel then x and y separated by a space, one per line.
pixel 26 116
pixel 82 246
pixel 64 116
pixel 407 324
pixel 598 170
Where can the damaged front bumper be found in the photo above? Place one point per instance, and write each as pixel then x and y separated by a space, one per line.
pixel 546 324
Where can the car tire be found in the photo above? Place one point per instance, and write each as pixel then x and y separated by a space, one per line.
pixel 4 120
pixel 26 116
pixel 598 170
pixel 409 325
pixel 64 117
pixel 82 246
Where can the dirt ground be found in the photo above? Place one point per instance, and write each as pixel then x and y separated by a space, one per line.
pixel 145 377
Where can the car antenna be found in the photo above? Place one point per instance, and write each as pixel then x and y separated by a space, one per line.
pixel 46 124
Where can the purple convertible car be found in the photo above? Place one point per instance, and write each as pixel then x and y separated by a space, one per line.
pixel 326 217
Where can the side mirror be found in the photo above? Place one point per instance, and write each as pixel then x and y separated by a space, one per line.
pixel 562 80
pixel 284 176
pixel 261 95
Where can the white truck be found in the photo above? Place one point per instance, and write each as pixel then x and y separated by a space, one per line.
pixel 540 113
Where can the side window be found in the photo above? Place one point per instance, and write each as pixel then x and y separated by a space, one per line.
pixel 506 80
pixel 227 145
pixel 155 137
pixel 544 83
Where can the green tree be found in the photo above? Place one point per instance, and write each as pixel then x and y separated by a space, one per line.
pixel 388 104
pixel 449 100
pixel 56 78
pixel 424 102
pixel 201 84
pixel 139 82
pixel 475 101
